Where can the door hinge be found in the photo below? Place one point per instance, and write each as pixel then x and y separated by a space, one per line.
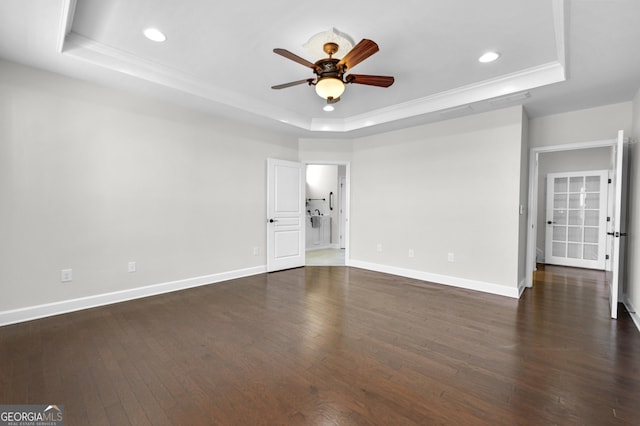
pixel 608 218
pixel 608 180
pixel 606 257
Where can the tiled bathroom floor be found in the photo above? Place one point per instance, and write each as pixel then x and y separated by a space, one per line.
pixel 325 257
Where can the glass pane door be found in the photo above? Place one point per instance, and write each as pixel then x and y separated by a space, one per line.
pixel 576 208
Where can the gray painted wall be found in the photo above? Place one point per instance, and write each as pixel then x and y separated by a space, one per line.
pixel 632 289
pixel 92 178
pixel 439 189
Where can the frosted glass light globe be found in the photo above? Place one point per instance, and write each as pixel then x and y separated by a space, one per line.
pixel 329 87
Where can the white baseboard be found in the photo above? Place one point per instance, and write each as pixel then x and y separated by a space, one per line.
pixel 522 285
pixel 632 312
pixel 442 279
pixel 56 308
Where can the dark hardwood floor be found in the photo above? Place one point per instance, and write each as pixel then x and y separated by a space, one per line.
pixel 335 346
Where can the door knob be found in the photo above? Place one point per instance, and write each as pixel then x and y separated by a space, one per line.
pixel 549 222
pixel 272 220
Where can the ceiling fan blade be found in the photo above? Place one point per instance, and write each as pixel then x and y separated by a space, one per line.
pixel 359 53
pixel 370 80
pixel 295 58
pixel 292 83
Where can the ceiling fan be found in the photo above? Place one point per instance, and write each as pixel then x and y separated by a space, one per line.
pixel 330 72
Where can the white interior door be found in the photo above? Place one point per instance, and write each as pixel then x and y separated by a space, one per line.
pixel 576 219
pixel 285 215
pixel 617 228
pixel 342 191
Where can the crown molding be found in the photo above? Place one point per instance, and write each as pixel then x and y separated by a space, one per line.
pixel 516 82
pixel 82 48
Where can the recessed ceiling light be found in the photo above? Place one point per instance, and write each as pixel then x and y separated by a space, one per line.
pixel 489 57
pixel 328 108
pixel 154 34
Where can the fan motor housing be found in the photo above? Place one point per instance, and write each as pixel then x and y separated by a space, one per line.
pixel 328 68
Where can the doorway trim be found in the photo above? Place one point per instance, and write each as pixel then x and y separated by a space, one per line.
pixel 347 207
pixel 532 223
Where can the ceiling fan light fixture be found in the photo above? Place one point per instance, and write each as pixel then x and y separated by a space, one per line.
pixel 329 87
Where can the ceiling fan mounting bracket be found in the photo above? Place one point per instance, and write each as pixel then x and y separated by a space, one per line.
pixel 330 48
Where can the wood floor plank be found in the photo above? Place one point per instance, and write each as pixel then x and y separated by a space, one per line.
pixel 335 345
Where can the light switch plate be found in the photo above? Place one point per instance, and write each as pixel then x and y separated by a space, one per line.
pixel 66 275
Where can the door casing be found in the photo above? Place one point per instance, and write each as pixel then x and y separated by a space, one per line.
pixel 346 206
pixel 532 223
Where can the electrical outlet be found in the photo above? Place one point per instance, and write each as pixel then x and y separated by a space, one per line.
pixel 66 275
pixel 450 257
pixel 131 267
pixel 411 253
pixel 379 247
pixel 256 251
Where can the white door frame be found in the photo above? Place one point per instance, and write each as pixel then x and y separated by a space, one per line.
pixel 342 202
pixel 532 223
pixel 347 206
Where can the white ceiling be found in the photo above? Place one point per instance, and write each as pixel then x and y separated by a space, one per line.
pixel 219 58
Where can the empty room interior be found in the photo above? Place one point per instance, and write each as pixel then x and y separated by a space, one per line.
pixel 284 213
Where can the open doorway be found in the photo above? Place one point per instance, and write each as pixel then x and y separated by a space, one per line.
pixel 326 199
pixel 545 161
pixel 572 208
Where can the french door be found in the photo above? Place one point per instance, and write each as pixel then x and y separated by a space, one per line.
pixel 576 219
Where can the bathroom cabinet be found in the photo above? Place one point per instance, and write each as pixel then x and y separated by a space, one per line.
pixel 320 236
